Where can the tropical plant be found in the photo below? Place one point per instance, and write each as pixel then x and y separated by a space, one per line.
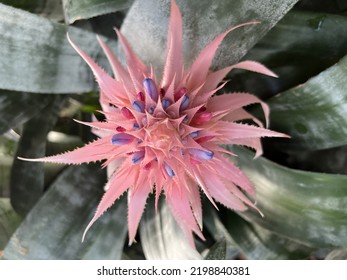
pixel 300 184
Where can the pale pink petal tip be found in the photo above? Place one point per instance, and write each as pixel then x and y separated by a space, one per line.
pixel 255 67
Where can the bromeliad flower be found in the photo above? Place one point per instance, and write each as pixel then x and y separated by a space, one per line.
pixel 165 136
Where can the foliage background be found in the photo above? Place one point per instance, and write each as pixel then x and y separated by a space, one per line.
pixel 301 184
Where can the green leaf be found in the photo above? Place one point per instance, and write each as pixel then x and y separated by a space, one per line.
pixel 17 108
pixel 203 20
pixel 39 48
pixel 161 236
pixel 109 234
pixel 215 226
pixel 260 244
pixel 85 9
pixel 217 251
pixel 328 161
pixel 338 254
pixel 47 8
pixel 253 241
pixel 27 178
pixel 9 221
pixel 304 206
pixel 300 46
pixel 54 227
pixel 314 114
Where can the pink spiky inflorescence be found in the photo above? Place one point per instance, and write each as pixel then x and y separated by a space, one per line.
pixel 166 136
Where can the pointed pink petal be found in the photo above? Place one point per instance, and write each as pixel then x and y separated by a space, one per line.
pixel 173 64
pixel 100 133
pixel 120 151
pixel 104 101
pixel 94 151
pixel 236 191
pixel 213 79
pixel 199 69
pixel 200 180
pixel 195 201
pixel 203 97
pixel 136 204
pixel 170 90
pixel 241 114
pixel 254 67
pixel 113 90
pixel 230 131
pixel 159 185
pixel 230 102
pixel 116 186
pixel 228 171
pixel 110 125
pixel 178 202
pixel 119 72
pixel 253 143
pixel 219 191
pixel 99 125
pixel 136 68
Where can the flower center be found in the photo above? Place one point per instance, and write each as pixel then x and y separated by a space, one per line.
pixel 162 136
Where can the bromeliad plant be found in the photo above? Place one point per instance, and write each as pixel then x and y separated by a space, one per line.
pixel 166 136
pixel 168 132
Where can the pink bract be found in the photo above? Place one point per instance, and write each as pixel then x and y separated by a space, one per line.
pixel 165 136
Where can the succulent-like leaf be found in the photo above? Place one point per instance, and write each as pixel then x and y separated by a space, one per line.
pixel 258 243
pixel 39 49
pixel 51 9
pixel 252 240
pixel 85 9
pixel 288 50
pixel 304 206
pixel 53 229
pixel 27 179
pixel 161 236
pixel 9 221
pixel 204 21
pixel 337 254
pixel 217 251
pixel 314 114
pixel 17 108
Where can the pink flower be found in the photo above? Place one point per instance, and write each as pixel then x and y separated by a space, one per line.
pixel 165 136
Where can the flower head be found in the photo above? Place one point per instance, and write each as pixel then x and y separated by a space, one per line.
pixel 165 136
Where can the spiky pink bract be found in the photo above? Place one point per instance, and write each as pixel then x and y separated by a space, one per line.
pixel 165 136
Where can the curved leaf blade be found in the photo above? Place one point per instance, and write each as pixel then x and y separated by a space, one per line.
pixel 217 251
pixel 39 48
pixel 314 114
pixel 161 236
pixel 255 242
pixel 288 50
pixel 338 254
pixel 51 9
pixel 53 229
pixel 27 179
pixel 9 221
pixel 304 206
pixel 85 9
pixel 203 21
pixel 17 108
